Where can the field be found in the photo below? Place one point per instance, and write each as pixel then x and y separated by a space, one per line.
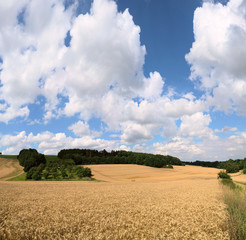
pixel 9 168
pixel 138 173
pixel 239 177
pixel 138 203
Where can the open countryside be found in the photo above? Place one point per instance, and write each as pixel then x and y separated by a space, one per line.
pixel 130 202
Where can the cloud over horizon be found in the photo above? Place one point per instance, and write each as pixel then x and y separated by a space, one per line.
pixel 91 66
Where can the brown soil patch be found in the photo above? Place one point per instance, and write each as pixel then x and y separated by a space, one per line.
pixel 9 168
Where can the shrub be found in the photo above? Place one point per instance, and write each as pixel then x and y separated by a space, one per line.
pixel 83 172
pixel 46 173
pixel 80 172
pixel 31 172
pixel 224 175
pixel 36 175
pixel 87 172
pixel 244 171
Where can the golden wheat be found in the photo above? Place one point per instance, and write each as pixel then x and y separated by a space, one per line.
pixel 131 172
pixel 181 209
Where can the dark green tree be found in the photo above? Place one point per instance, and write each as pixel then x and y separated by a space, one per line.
pixel 29 158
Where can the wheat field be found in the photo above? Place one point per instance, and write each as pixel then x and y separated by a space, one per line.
pixel 239 177
pixel 185 208
pixel 136 173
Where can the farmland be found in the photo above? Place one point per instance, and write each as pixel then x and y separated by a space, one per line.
pixel 9 168
pixel 125 173
pixel 134 202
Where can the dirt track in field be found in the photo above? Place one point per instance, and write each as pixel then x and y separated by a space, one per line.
pixel 9 168
pixel 136 173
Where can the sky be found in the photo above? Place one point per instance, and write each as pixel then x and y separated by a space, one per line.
pixel 163 77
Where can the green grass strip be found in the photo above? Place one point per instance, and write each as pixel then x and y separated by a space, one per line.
pixel 235 198
pixel 21 177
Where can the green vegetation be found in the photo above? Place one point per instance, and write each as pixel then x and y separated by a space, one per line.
pixel 244 170
pixel 21 177
pixel 86 156
pixel 235 198
pixel 224 175
pixel 51 157
pixel 29 158
pixel 40 167
pixel 231 166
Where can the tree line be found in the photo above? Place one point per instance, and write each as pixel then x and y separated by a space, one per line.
pixel 87 156
pixel 231 166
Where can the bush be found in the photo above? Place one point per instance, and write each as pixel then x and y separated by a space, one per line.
pixel 36 176
pixel 244 171
pixel 87 172
pixel 46 173
pixel 83 172
pixel 224 175
pixel 31 172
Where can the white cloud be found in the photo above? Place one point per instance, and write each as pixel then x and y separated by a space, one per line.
pixel 183 148
pixel 82 129
pixel 152 87
pixel 101 75
pixel 196 126
pixel 218 55
pixel 226 129
pixel 133 133
pixel 52 143
pixel 28 55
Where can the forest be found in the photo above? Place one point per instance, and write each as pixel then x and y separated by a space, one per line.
pixel 231 166
pixel 87 156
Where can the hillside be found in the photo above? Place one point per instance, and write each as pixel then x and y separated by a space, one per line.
pixel 9 168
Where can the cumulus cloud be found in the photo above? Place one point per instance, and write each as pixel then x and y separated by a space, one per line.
pixel 133 133
pixel 196 126
pixel 82 129
pixel 218 54
pixel 183 148
pixel 28 55
pixel 215 149
pixel 52 143
pixel 98 73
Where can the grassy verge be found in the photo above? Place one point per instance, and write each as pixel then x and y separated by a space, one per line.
pixel 21 177
pixel 235 198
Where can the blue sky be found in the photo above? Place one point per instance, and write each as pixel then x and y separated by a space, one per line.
pixel 166 77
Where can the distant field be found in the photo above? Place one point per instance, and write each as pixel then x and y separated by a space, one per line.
pixel 132 173
pixel 9 168
pixel 239 177
pixel 189 206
